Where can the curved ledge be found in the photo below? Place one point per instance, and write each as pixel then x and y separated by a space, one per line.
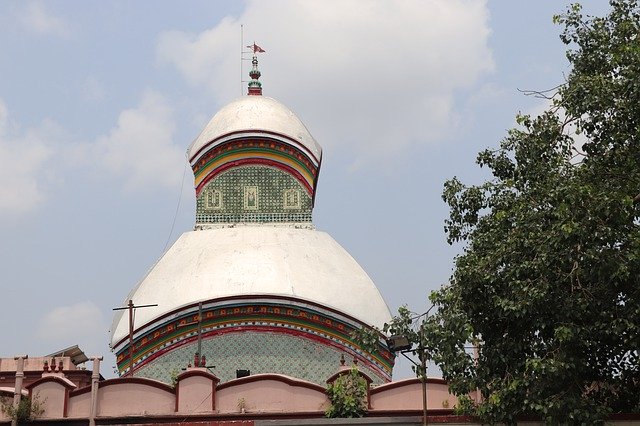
pixel 406 382
pixel 197 372
pixel 57 379
pixel 277 377
pixel 346 371
pixel 126 380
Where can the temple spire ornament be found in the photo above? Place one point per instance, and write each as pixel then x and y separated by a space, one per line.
pixel 255 87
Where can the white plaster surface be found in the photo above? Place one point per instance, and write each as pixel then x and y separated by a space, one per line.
pixel 256 113
pixel 243 261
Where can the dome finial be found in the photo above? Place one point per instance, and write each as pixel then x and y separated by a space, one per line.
pixel 255 87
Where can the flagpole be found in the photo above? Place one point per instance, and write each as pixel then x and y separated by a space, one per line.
pixel 241 53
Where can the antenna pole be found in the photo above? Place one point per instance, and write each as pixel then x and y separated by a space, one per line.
pixel 241 53
pixel 199 330
pixel 130 307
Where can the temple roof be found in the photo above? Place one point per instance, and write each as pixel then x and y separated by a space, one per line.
pixel 259 115
pixel 255 260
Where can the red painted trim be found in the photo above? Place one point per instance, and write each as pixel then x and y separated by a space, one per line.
pixel 277 377
pixel 258 145
pixel 250 161
pixel 250 299
pixel 262 132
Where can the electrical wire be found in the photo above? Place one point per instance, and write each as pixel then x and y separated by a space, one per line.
pixel 175 216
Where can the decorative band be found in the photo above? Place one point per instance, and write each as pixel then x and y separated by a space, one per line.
pixel 255 151
pixel 247 316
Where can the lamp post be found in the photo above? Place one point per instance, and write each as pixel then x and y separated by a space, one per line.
pixel 422 354
pixel 400 344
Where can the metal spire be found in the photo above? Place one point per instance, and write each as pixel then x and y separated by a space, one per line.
pixel 255 87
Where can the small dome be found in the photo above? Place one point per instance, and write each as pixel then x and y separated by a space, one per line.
pixel 259 114
pixel 303 264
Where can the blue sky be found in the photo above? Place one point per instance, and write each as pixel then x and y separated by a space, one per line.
pixel 99 101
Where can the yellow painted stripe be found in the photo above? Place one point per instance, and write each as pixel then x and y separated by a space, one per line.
pixel 203 173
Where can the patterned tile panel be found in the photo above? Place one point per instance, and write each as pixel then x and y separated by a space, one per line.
pixel 255 151
pixel 253 194
pixel 314 325
pixel 266 352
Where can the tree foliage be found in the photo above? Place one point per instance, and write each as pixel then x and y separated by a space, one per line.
pixel 27 409
pixel 549 280
pixel 348 395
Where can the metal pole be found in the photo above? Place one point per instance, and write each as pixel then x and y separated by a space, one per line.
pixel 423 358
pixel 130 306
pixel 95 377
pixel 199 332
pixel 241 58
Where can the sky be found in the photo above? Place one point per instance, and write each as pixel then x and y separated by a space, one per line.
pixel 99 101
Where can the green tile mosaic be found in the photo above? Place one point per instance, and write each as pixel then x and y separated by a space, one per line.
pixel 265 352
pixel 253 194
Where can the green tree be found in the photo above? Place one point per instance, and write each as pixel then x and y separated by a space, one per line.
pixel 549 279
pixel 27 409
pixel 348 395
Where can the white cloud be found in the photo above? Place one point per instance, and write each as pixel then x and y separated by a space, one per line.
pixel 22 160
pixel 139 150
pixel 37 19
pixel 81 323
pixel 331 61
pixel 140 147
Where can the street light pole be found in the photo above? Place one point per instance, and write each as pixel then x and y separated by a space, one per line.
pixel 401 344
pixel 423 359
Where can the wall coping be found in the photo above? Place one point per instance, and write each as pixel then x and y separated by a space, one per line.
pixel 292 381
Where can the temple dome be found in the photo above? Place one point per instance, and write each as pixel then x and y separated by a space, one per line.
pixel 254 284
pixel 255 114
pixel 302 264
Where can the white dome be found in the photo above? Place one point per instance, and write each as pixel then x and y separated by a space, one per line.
pixel 255 260
pixel 256 113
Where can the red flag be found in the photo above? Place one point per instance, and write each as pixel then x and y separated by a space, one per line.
pixel 256 48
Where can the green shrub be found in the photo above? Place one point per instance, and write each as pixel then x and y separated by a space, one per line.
pixel 348 395
pixel 28 408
